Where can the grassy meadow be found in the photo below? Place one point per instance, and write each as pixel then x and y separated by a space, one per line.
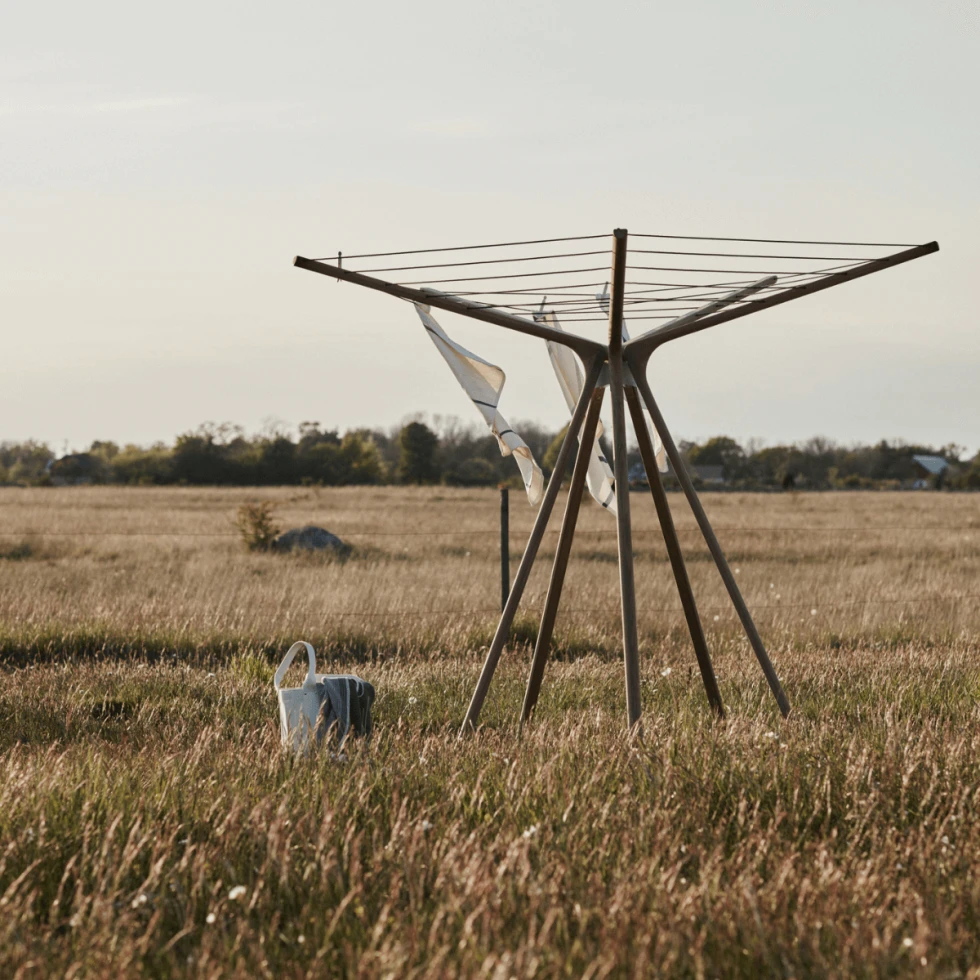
pixel 151 826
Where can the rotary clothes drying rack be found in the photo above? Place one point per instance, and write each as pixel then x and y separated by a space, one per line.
pixel 496 285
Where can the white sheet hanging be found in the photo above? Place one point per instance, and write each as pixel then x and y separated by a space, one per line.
pixel 658 447
pixel 568 371
pixel 483 382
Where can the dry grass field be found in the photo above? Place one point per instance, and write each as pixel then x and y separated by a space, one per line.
pixel 150 826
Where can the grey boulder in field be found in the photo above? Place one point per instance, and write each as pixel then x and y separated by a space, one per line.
pixel 310 538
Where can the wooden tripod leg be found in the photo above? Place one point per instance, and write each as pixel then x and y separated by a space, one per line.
pixel 674 552
pixel 624 532
pixel 639 375
pixel 572 505
pixel 627 584
pixel 531 550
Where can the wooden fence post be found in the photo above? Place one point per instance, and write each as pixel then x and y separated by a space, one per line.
pixel 504 546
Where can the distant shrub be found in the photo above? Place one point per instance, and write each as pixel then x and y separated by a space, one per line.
pixel 17 552
pixel 551 453
pixel 417 463
pixel 142 467
pixel 257 526
pixel 473 472
pixel 25 463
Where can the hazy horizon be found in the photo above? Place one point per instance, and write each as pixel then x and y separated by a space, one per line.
pixel 441 424
pixel 161 168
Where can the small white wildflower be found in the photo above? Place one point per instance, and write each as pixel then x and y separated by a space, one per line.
pixel 301 939
pixel 412 700
pixel 140 899
pixel 426 826
pixel 771 735
pixel 236 893
pixel 717 618
pixel 907 942
pixel 899 865
pixel 211 918
pixel 945 839
pixel 665 672
pixel 924 961
pixel 530 832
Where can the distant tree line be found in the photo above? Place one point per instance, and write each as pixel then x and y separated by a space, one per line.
pixel 454 454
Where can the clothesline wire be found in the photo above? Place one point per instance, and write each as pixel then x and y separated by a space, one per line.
pixel 571 308
pixel 774 241
pixel 761 272
pixel 523 258
pixel 634 300
pixel 515 275
pixel 462 248
pixel 751 255
pixel 793 273
pixel 571 255
pixel 580 238
pixel 564 289
pixel 571 289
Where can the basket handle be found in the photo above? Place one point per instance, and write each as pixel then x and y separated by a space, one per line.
pixel 288 659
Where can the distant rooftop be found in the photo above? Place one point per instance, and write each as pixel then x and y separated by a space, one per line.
pixel 932 464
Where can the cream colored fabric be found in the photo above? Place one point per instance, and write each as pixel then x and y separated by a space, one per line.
pixel 483 382
pixel 658 446
pixel 568 371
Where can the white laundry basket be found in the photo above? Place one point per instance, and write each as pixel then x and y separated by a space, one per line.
pixel 325 700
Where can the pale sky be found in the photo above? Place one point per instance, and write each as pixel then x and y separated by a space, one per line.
pixel 161 165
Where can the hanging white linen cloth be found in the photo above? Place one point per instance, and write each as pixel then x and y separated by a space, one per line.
pixel 568 371
pixel 483 382
pixel 658 447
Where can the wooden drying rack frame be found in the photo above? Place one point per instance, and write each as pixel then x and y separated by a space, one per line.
pixel 622 368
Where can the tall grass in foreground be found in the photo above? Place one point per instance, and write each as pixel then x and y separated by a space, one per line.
pixel 151 826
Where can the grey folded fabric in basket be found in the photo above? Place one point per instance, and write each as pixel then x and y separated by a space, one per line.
pixel 345 706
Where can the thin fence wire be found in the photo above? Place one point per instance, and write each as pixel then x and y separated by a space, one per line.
pixel 515 533
pixel 613 609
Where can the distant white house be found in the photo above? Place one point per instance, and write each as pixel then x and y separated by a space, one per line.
pixel 713 475
pixel 710 474
pixel 929 466
pixel 933 465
